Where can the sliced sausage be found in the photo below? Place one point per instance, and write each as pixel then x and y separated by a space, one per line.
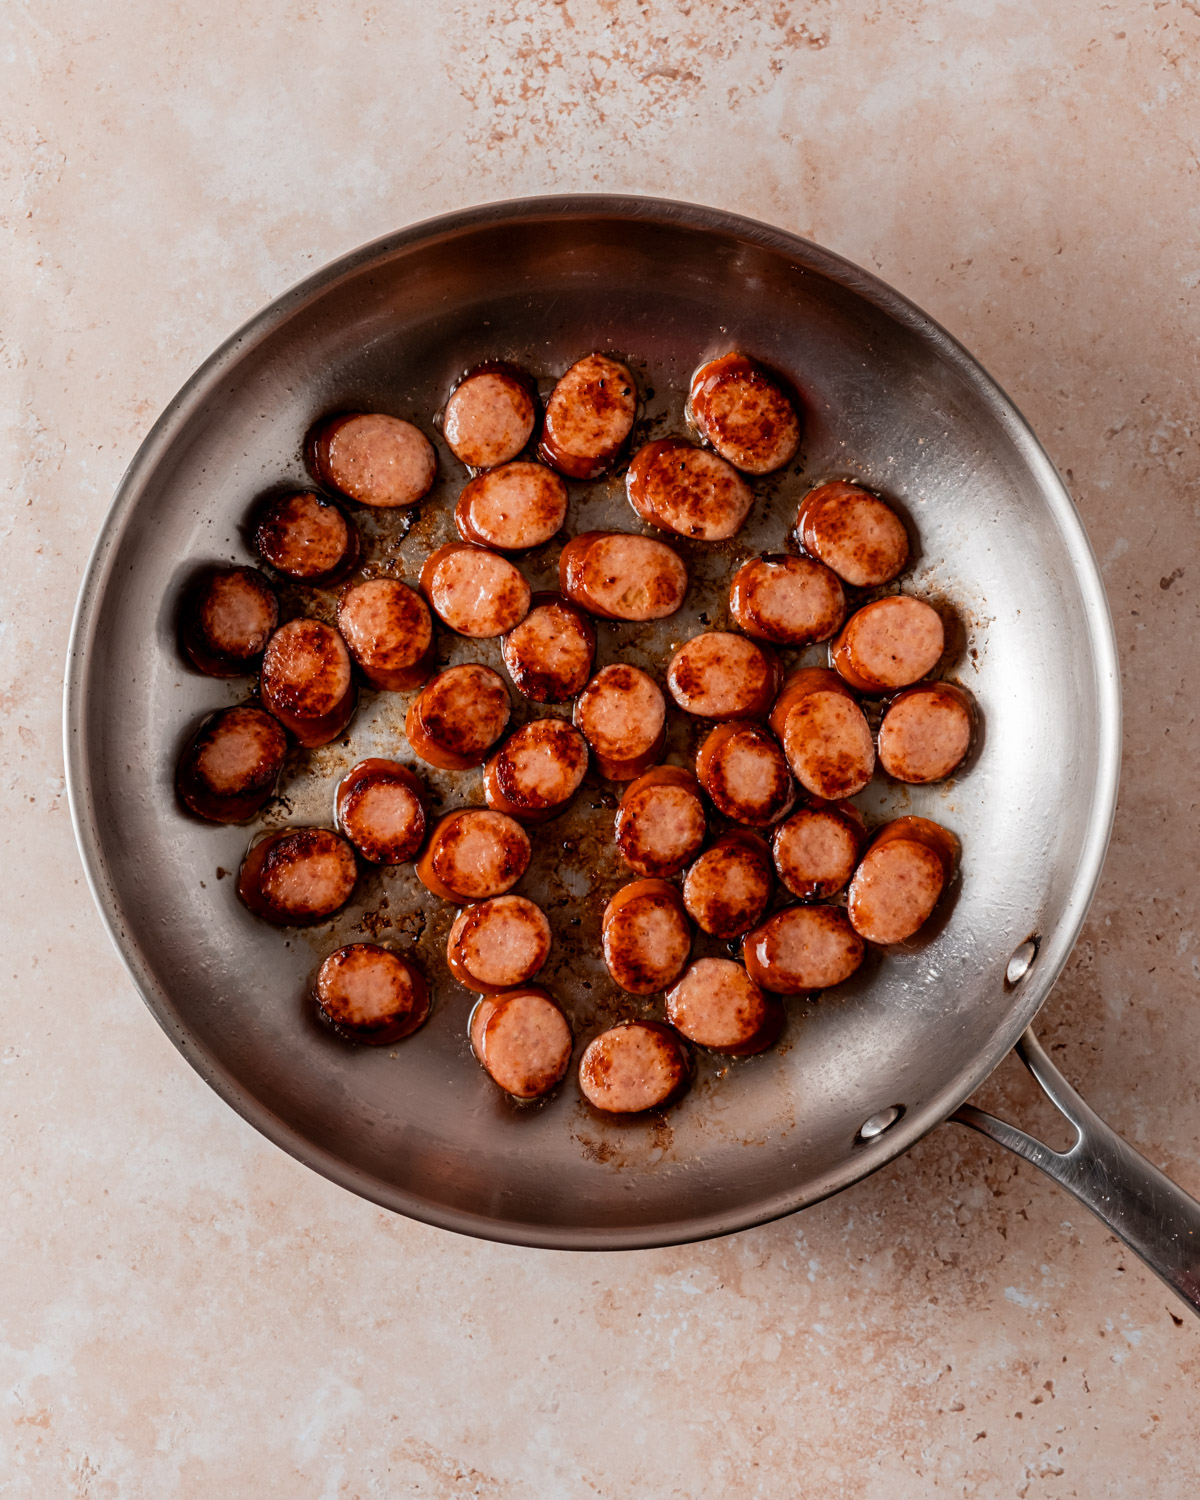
pixel 228 616
pixel 816 850
pixel 523 1041
pixel 297 877
pixel 307 682
pixel 454 721
pixel 791 601
pixel 375 459
pixel 230 767
pixel 306 537
pixel 619 576
pixel 727 889
pixel 380 807
pixel 389 632
pixel 490 415
pixel 473 854
pixel 370 994
pixel 537 770
pixel 623 716
pixel 635 1066
pixel 512 508
pixel 744 413
pixel 744 771
pixel 824 734
pixel 900 879
pixel 691 491
pixel 888 644
pixel 926 732
pixel 645 936
pixel 474 590
pixel 589 416
pixel 801 949
pixel 853 532
pixel 720 675
pixel 660 821
pixel 717 1005
pixel 549 654
pixel 496 944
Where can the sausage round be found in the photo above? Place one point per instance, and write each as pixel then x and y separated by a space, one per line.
pixel 801 949
pixel 297 877
pixel 589 416
pixel 496 944
pixel 537 770
pixel 635 1066
pixel 791 601
pixel 660 821
pixel 691 491
pixel 228 617
pixel 512 508
pixel 389 633
pixel 375 459
pixel 490 415
pixel 523 1041
pixel 380 807
pixel 727 889
pixel 745 773
pixel 229 768
pixel 473 854
pixel 307 682
pixel 370 994
pixel 744 414
pixel 474 590
pixel 454 721
pixel 549 654
pixel 645 936
pixel 888 644
pixel 824 734
pixel 853 532
pixel 900 879
pixel 619 576
pixel 816 850
pixel 926 732
pixel 717 1005
pixel 623 716
pixel 720 675
pixel 306 537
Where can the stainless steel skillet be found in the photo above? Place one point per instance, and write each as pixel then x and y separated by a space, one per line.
pixel 864 1072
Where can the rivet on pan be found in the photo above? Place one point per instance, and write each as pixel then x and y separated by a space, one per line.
pixel 1021 962
pixel 880 1122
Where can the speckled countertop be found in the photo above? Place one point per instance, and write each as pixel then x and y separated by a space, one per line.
pixel 186 1311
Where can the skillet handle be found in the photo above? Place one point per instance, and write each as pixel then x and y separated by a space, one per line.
pixel 1156 1219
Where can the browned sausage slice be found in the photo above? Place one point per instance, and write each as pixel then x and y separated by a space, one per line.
pixel 744 771
pixel 512 508
pixel 900 879
pixel 792 601
pixel 691 491
pixel 926 732
pixel 623 716
pixel 474 590
pixel 888 644
pixel 589 416
pixel 454 721
pixel 645 936
pixel 307 682
pixel 297 877
pixel 496 944
pixel 824 734
pixel 375 459
pixel 380 807
pixel 717 1005
pixel 370 994
pixel 305 537
pixel 228 616
pixel 635 1066
pixel 853 532
pixel 537 770
pixel 523 1041
pixel 801 949
pixel 720 675
pixel 744 414
pixel 229 769
pixel 549 654
pixel 389 632
pixel 619 576
pixel 817 849
pixel 473 854
pixel 727 889
pixel 660 822
pixel 489 416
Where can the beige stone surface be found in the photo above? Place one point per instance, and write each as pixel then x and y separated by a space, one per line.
pixel 184 1311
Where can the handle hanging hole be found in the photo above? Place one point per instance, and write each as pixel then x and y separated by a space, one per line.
pixel 882 1120
pixel 1021 962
